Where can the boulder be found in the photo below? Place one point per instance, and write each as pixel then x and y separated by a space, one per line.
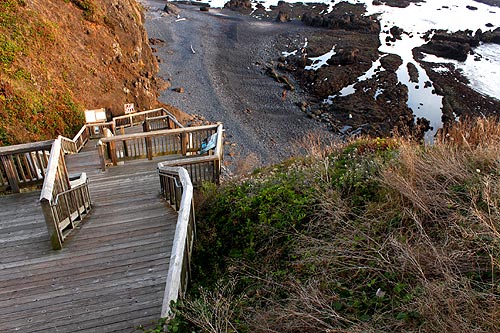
pixel 391 62
pixel 238 4
pixel 412 72
pixel 449 50
pixel 396 32
pixel 171 9
pixel 345 56
pixel 283 16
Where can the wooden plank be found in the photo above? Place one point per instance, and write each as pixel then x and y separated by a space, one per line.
pixel 107 278
pixel 8 166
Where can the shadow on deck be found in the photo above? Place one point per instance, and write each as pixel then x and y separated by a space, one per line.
pixel 110 275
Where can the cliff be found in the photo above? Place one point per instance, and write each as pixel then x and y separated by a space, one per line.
pixel 59 57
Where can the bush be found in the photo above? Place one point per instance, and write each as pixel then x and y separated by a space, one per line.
pixel 379 235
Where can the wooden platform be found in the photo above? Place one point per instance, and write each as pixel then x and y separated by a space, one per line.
pixel 110 276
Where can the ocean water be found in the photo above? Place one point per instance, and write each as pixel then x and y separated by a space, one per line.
pixel 416 20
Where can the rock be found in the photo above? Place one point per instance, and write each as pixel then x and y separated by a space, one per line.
pixel 204 8
pixel 376 3
pixel 396 32
pixel 272 73
pixel 283 17
pixel 462 37
pixel 156 41
pixel 471 7
pixel 450 50
pixel 286 81
pixel 344 16
pixel 391 62
pixel 179 90
pixel 171 9
pixel 345 56
pixel 489 25
pixel 238 4
pixel 491 36
pixel 412 72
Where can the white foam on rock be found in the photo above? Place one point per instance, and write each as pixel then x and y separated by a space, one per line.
pixel 322 60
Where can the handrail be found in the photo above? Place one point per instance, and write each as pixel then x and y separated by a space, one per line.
pixel 23 165
pixel 180 258
pixel 202 168
pixel 88 131
pixel 61 214
pixel 130 119
pixel 160 123
pixel 182 141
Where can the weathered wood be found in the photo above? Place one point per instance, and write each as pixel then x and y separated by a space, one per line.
pixel 179 268
pixel 111 274
pixel 12 177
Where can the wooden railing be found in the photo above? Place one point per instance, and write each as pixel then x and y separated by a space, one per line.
pixel 202 168
pixel 159 123
pixel 183 141
pixel 178 191
pixel 88 131
pixel 23 165
pixel 64 202
pixel 138 117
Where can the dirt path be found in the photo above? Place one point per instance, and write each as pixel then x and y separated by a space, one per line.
pixel 224 80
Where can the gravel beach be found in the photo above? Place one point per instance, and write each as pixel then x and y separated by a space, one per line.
pixel 219 58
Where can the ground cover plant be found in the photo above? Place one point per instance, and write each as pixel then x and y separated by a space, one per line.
pixel 373 235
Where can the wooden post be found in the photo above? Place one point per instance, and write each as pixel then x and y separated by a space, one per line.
pixel 11 173
pixel 149 148
pixel 184 142
pixel 100 150
pixel 112 151
pixel 52 227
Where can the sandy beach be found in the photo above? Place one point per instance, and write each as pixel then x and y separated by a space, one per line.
pixel 219 58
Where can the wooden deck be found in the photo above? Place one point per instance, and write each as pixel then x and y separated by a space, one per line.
pixel 110 275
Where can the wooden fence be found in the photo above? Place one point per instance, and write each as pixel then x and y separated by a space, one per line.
pixel 185 142
pixel 138 117
pixel 23 165
pixel 64 202
pixel 205 167
pixel 88 131
pixel 160 123
pixel 178 191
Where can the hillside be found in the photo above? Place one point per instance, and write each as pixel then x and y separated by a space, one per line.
pixel 59 57
pixel 373 235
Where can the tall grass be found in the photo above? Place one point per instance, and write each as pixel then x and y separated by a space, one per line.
pixel 398 237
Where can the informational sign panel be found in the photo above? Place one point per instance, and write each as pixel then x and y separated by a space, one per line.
pixel 95 116
pixel 129 108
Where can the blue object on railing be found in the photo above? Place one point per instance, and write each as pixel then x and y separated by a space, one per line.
pixel 208 143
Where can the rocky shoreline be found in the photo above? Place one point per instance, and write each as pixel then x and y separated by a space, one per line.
pixel 377 106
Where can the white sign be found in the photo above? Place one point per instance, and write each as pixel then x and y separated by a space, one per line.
pixel 129 108
pixel 95 116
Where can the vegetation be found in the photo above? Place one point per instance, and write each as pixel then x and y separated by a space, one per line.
pixel 374 235
pixel 27 112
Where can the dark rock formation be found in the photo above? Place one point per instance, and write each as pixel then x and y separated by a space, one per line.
pixel 457 45
pixel 345 56
pixel 344 16
pixel 238 4
pixel 412 72
pixel 391 62
pixel 171 9
pixel 283 16
pixel 490 36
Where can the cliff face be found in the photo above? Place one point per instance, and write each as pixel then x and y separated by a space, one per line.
pixel 59 57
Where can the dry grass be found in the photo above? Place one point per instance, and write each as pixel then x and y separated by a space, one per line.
pixel 421 253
